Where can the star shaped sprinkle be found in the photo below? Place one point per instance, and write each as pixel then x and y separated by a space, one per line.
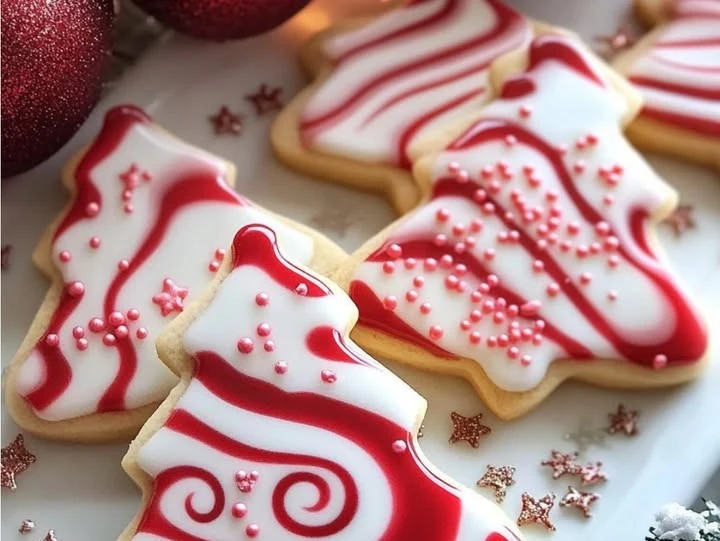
pixel 265 99
pixel 537 511
pixel 681 219
pixel 623 421
pixel 585 437
pixel 50 536
pixel 171 298
pixel 591 474
pixel 498 478
pixel 468 429
pixel 618 41
pixel 15 460
pixel 562 464
pixel 26 526
pixel 579 500
pixel 5 256
pixel 226 122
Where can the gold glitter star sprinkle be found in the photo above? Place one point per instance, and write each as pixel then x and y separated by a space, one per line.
pixel 681 219
pixel 580 500
pixel 591 474
pixel 562 464
pixel 50 536
pixel 498 478
pixel 26 526
pixel 537 511
pixel 468 429
pixel 15 460
pixel 623 421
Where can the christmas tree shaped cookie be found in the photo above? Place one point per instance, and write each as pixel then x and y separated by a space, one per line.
pixel 144 233
pixel 381 85
pixel 676 68
pixel 282 428
pixel 533 260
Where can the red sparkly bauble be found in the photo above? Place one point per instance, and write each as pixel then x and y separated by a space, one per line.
pixel 222 20
pixel 52 57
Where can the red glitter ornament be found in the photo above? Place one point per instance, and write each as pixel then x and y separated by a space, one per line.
pixel 222 20
pixel 52 58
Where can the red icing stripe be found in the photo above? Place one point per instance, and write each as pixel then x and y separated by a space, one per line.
pixel 711 94
pixel 704 126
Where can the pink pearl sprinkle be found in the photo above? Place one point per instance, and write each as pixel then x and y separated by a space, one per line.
pixel 81 344
pixel 410 263
pixel 123 264
pixel 64 256
pixel 476 315
pixel 399 446
pixel 525 111
pixel 301 289
pixel 394 251
pixel 430 264
pixel 239 510
pixel 328 376
pixel 491 341
pixel 465 325
pixel 436 332
pixel 213 266
pixel 116 318
pixel 513 352
pixel 281 367
pixel 608 199
pixel 585 278
pixel 442 215
pixel 553 289
pixel 245 345
pixel 122 332
pixel 219 253
pixel 78 332
pixel 269 346
pixel 390 302
pixel 141 333
pixel 446 261
pixel 613 260
pixel 411 295
pixel 388 267
pixel 109 339
pixel 530 308
pixel 503 340
pixel 425 308
pixel 133 314
pixel 94 243
pixel 92 209
pixel 612 295
pixel 263 329
pixel 262 299
pixel 96 324
pixel 660 361
pixel 440 240
pixel 75 289
pixel 128 208
pixel 253 530
pixel 475 337
pixel 510 140
pixel 451 281
pixel 52 340
pixel 526 360
pixel 489 254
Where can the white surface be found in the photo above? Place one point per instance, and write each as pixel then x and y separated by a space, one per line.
pixel 82 492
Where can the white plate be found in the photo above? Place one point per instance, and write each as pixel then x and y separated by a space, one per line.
pixel 82 492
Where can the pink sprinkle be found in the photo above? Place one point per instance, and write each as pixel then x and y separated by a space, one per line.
pixel 123 264
pixel 128 208
pixel 436 332
pixel 462 177
pixel 94 243
pixel 52 340
pixel 133 314
pixel 553 289
pixel 491 341
pixel 489 254
pixel 562 149
pixel 442 215
pixel 446 261
pixel 503 340
pixel 585 278
pixel 440 240
pixel 92 209
pixel 328 376
pixel 660 361
pixel 602 229
pixel 410 263
pixel 411 295
pixel 78 332
pixel 581 143
pixel 213 266
pixel 476 315
pixel 219 253
pixel 476 296
pixel 264 329
pixel 109 339
pixel 488 208
pixel 390 302
pixel 591 138
pixel 122 332
pixel 525 111
pixel 453 167
pixel 388 267
pixel 539 324
pixel 465 325
pixel 245 345
pixel 582 251
pixel 611 244
pixel 81 344
pixel 281 367
pixel 475 337
pixel 498 317
pixel 418 281
pixel 239 510
pixel 579 166
pixel 75 289
pixel 269 346
pixel 573 228
pixel 64 256
pixel 510 140
pixel 394 251
pixel 430 264
pixel 538 266
pixel 301 289
pixel 530 308
pixel 612 295
pixel 513 352
pixel 513 310
pixel 96 324
pixel 116 318
pixel 141 333
pixel 425 308
pixel 399 446
pixel 608 199
pixel 493 280
pixel 262 299
pixel 613 260
pixel 526 360
pixel 253 530
pixel 451 281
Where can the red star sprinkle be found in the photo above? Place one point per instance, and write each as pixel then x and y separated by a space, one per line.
pixel 5 256
pixel 468 429
pixel 579 500
pixel 681 219
pixel 591 474
pixel 620 40
pixel 171 298
pixel 15 460
pixel 265 99
pixel 562 464
pixel 623 421
pixel 536 511
pixel 498 478
pixel 226 122
pixel 26 526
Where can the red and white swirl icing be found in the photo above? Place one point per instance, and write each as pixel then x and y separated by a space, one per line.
pixel 278 390
pixel 679 75
pixel 405 73
pixel 534 245
pixel 140 239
